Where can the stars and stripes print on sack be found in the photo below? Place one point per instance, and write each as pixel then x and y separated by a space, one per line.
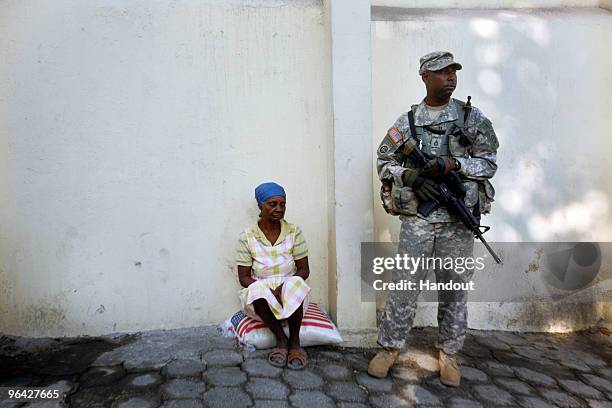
pixel 317 329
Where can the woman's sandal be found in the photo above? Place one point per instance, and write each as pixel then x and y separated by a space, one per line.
pixel 297 359
pixel 278 357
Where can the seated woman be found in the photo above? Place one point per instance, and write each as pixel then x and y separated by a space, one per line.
pixel 272 259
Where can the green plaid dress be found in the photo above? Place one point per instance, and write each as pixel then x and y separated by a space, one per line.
pixel 272 265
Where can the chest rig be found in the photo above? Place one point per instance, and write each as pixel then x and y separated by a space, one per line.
pixel 447 138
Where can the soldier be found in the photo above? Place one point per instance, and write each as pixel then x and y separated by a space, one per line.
pixel 457 138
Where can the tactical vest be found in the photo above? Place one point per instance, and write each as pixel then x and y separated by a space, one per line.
pixel 479 195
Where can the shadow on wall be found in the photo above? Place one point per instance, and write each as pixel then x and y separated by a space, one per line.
pixel 548 181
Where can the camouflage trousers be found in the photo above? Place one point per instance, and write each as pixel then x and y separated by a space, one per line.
pixel 418 238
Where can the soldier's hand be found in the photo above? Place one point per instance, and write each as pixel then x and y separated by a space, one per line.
pixel 426 189
pixel 409 177
pixel 439 166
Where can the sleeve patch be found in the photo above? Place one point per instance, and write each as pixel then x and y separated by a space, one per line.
pixel 395 135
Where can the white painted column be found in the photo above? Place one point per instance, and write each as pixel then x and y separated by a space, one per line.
pixel 351 215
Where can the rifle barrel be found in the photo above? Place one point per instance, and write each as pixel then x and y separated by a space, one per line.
pixel 486 244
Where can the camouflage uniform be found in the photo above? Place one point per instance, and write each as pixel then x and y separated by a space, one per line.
pixel 441 234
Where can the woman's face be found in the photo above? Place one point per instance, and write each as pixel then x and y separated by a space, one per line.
pixel 273 209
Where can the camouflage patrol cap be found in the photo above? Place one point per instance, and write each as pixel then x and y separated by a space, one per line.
pixel 435 61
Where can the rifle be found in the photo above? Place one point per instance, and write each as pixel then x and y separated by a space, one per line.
pixel 452 191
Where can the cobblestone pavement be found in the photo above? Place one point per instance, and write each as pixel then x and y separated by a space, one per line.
pixel 191 368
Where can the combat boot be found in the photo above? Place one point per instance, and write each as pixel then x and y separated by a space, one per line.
pixel 449 370
pixel 381 363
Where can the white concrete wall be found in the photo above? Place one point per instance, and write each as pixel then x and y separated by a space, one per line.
pixel 487 4
pixel 132 135
pixel 542 77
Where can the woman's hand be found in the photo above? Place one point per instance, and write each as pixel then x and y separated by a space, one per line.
pixel 303 270
pixel 244 276
pixel 278 294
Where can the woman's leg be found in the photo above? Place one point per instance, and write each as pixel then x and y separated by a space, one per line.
pixel 263 310
pixel 295 323
pixel 297 358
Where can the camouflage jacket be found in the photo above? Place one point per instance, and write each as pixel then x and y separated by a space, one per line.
pixel 440 137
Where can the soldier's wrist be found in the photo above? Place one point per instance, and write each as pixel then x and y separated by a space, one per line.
pixel 457 164
pixel 409 176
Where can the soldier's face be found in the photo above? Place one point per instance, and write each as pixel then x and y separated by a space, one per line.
pixel 273 209
pixel 441 83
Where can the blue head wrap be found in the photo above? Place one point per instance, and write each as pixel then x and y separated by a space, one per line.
pixel 266 190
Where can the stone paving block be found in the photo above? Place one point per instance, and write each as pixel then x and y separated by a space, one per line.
pixel 389 401
pixel 147 380
pixel 511 338
pixel 515 386
pixel 375 384
pixel 64 387
pixel 225 376
pixel 184 368
pixel 576 365
pixel 419 395
pixel 359 362
pixel 146 363
pixel 351 405
pixel 256 354
pixel 475 350
pixel 491 341
pixel 409 374
pixel 304 379
pixel 20 381
pixel 335 372
pixel 271 404
pixel 9 404
pixel 531 353
pixel 599 404
pixel 473 374
pixel 561 398
pixel 225 397
pixel 416 358
pixel 492 394
pixel 267 388
pixel 136 403
pixel 331 355
pixel 598 382
pixel 345 391
pixel 222 358
pixel 534 377
pixel 533 402
pixel 187 403
pixel 97 376
pixel 464 403
pixel 44 404
pixel 110 358
pixel 309 399
pixel 435 385
pixel 182 389
pixel 606 372
pixel 590 359
pixel 258 367
pixel 95 397
pixel 580 389
pixel 497 369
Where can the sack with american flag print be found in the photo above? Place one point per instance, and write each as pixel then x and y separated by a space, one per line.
pixel 317 329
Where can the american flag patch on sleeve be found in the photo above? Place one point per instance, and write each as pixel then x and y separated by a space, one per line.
pixel 394 135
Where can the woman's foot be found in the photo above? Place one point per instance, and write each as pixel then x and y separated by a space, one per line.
pixel 278 356
pixel 297 359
